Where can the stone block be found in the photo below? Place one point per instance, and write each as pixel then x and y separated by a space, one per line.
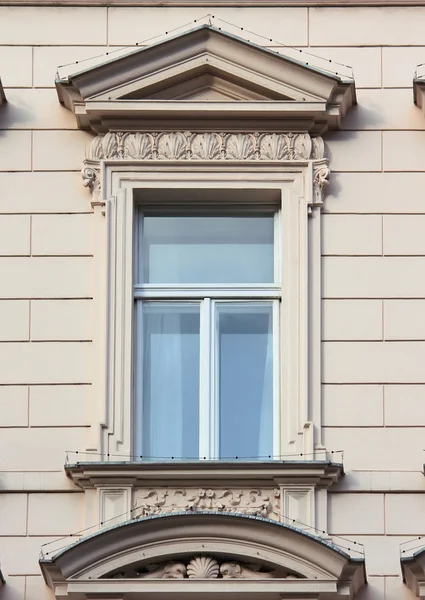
pixel 18 156
pixel 404 514
pixel 55 514
pixel 14 320
pixel 404 319
pixel 19 556
pixel 403 150
pixel 15 235
pixel 382 554
pixel 60 150
pixel 13 405
pixel 373 277
pixel 395 589
pixel 365 62
pixel 374 590
pixel 377 449
pixel 37 589
pixel 39 449
pixel 405 405
pixel 46 277
pixel 43 193
pixel 375 193
pixel 134 25
pixel 42 25
pixel 373 362
pixel 404 235
pixel 354 150
pixel 60 405
pixel 15 588
pixel 16 66
pixel 61 235
pixel 351 320
pixel 384 109
pixel 36 109
pixel 45 362
pixel 354 26
pixel 51 59
pixel 353 405
pixel 13 510
pixel 399 65
pixel 57 320
pixel 351 235
pixel 36 481
pixel 354 514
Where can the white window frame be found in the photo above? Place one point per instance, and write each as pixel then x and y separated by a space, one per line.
pixel 300 375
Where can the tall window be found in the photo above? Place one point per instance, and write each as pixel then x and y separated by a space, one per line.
pixel 207 296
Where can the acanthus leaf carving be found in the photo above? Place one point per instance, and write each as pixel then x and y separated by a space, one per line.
pixel 178 145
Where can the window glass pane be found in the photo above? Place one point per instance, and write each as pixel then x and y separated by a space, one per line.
pixel 170 380
pixel 245 379
pixel 208 249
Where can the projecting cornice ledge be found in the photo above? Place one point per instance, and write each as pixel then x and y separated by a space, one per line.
pixel 205 473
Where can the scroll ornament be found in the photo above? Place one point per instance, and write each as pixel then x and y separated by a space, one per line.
pixel 204 567
pixel 205 146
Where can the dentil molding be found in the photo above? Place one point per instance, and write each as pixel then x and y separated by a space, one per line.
pixel 208 147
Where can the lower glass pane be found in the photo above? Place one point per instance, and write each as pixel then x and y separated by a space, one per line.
pixel 170 380
pixel 245 379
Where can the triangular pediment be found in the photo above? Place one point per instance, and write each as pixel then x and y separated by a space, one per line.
pixel 212 71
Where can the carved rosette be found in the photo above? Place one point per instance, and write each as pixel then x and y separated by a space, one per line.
pixel 254 502
pixel 203 567
pixel 206 146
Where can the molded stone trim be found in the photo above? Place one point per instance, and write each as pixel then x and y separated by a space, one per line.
pixel 214 3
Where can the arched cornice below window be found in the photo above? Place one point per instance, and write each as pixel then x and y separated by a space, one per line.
pixel 208 554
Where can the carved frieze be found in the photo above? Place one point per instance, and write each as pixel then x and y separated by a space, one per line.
pixel 207 146
pixel 178 145
pixel 255 502
pixel 203 567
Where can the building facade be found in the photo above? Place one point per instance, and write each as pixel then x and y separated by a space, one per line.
pixel 212 330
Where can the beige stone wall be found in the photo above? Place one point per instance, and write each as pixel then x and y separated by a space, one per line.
pixel 373 274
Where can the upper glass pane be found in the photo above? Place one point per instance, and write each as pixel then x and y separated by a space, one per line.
pixel 207 249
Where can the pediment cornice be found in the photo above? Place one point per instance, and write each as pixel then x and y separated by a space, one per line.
pixel 203 554
pixel 205 77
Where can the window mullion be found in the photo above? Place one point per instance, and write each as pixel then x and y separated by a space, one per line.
pixel 205 380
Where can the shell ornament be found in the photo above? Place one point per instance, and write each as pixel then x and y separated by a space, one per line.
pixel 203 567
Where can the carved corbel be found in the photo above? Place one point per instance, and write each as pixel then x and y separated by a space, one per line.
pixel 321 174
pixel 91 179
